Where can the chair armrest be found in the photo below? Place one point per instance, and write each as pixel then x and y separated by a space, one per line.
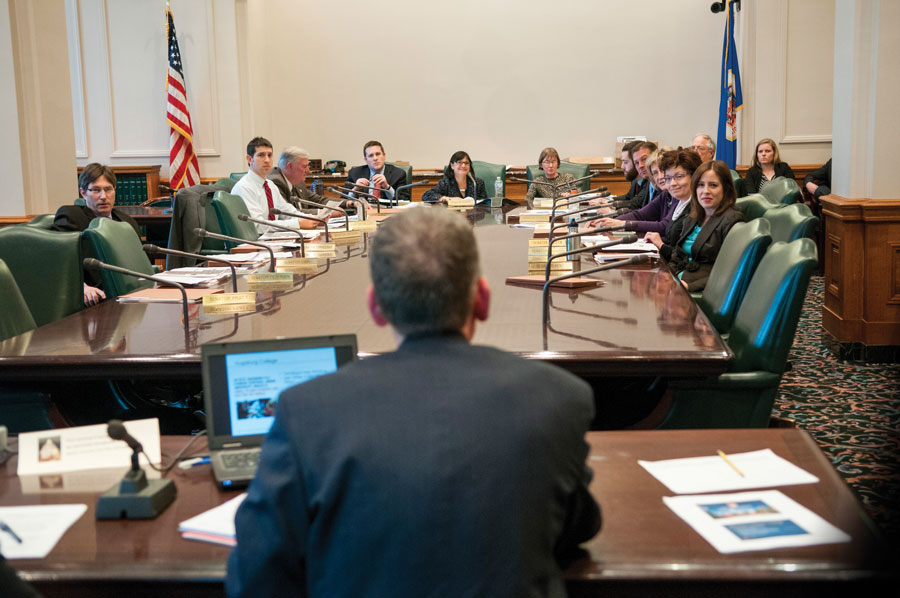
pixel 729 380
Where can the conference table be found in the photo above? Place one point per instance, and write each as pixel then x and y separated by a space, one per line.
pixel 643 549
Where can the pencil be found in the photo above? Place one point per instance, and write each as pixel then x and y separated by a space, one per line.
pixel 730 464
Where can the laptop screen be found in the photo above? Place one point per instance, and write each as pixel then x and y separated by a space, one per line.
pixel 242 381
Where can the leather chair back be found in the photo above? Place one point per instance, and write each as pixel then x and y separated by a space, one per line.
pixel 532 171
pixel 117 244
pixel 738 183
pixel 408 170
pixel 47 267
pixel 226 183
pixel 764 327
pixel 44 221
pixel 489 172
pixel 754 206
pixel 740 254
pixel 789 223
pixel 15 318
pixel 228 207
pixel 236 176
pixel 782 190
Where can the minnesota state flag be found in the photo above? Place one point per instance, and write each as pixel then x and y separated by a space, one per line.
pixel 731 99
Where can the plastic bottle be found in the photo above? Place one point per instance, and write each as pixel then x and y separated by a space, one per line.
pixel 498 188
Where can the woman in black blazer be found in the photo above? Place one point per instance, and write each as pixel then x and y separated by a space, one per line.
pixel 765 166
pixel 701 234
pixel 459 181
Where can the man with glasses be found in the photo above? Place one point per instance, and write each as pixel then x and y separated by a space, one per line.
pixel 704 146
pixel 97 186
pixel 375 172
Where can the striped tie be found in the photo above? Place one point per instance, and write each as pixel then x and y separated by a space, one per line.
pixel 269 199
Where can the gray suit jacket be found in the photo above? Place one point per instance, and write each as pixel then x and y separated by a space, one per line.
pixel 442 469
pixel 295 193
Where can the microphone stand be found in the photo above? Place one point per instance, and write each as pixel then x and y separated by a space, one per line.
pixel 278 212
pixel 321 205
pixel 205 233
pixel 247 218
pixel 362 204
pixel 591 249
pixel 148 248
pixel 95 264
pixel 557 202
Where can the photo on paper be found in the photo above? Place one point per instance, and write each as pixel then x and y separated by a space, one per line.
pixel 49 449
pixel 738 509
pixel 256 408
pixel 766 529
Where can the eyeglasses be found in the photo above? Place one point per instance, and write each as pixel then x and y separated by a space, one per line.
pixel 700 148
pixel 464 163
pixel 548 162
pixel 675 177
pixel 97 190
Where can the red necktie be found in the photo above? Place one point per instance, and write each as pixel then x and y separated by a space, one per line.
pixel 376 193
pixel 269 199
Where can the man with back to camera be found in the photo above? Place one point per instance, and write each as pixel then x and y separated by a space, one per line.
pixel 259 194
pixel 440 469
pixel 704 146
pixel 375 172
pixel 97 186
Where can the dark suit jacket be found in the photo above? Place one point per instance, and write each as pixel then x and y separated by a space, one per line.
pixel 11 585
pixel 821 176
pixel 642 197
pixel 447 187
pixel 754 176
pixel 697 266
pixel 440 469
pixel 296 192
pixel 395 177
pixel 635 188
pixel 78 218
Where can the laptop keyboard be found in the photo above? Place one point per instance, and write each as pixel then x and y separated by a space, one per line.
pixel 240 460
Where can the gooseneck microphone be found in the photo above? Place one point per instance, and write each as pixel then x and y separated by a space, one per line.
pixel 301 215
pixel 268 223
pixel 149 248
pixel 200 232
pixel 323 206
pixel 362 204
pixel 592 249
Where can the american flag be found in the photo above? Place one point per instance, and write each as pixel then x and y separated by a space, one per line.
pixel 183 169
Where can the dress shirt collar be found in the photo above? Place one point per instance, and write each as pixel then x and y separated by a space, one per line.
pixel 255 178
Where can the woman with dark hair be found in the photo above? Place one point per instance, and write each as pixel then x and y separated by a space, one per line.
pixel 765 166
pixel 552 183
pixel 459 181
pixel 694 244
pixel 678 167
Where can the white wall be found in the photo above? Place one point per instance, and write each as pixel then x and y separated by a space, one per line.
pixel 12 199
pixel 501 79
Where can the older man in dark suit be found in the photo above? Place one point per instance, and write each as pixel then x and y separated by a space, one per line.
pixel 441 469
pixel 290 179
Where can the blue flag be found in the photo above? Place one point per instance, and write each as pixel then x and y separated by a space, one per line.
pixel 731 99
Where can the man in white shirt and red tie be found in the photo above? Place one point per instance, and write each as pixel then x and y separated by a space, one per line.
pixel 261 195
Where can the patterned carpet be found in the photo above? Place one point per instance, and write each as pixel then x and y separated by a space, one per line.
pixel 852 410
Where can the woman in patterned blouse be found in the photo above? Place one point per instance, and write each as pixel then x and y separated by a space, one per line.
pixel 552 183
pixel 459 180
pixel 765 166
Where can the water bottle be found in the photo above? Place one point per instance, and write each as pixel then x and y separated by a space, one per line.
pixel 498 188
pixel 571 244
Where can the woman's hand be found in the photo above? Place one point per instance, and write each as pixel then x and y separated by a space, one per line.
pixel 654 238
pixel 93 295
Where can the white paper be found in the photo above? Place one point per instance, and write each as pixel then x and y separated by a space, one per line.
pixel 332 204
pixel 38 526
pixel 252 256
pixel 761 469
pixel 215 524
pixel 750 521
pixel 84 447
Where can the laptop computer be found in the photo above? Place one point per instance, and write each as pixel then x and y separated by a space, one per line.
pixel 241 384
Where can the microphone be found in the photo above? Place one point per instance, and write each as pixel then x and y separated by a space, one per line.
pixel 205 233
pixel 321 205
pixel 135 497
pixel 95 264
pixel 362 204
pixel 557 201
pixel 278 212
pixel 638 259
pixel 406 186
pixel 475 185
pixel 592 249
pixel 247 218
pixel 578 211
pixel 585 233
pixel 148 248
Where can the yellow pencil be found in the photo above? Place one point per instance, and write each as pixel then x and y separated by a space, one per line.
pixel 730 464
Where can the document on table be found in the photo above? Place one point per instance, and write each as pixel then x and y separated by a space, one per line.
pixel 215 525
pixel 748 521
pixel 761 469
pixel 31 532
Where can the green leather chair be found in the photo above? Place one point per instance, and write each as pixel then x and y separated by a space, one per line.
pixel 488 173
pixel 236 176
pixel 227 208
pixel 408 170
pixel 578 171
pixel 47 267
pixel 754 206
pixel 228 183
pixel 789 223
pixel 44 221
pixel 15 317
pixel 738 183
pixel 116 243
pixel 79 201
pixel 782 190
pixel 740 254
pixel 761 337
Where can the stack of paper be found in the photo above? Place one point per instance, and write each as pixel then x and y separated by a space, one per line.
pixel 215 525
pixel 196 277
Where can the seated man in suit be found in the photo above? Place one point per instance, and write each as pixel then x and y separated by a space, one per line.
pixel 441 469
pixel 259 194
pixel 97 185
pixel 290 178
pixel 704 146
pixel 376 173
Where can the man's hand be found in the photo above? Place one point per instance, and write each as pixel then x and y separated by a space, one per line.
pixel 380 181
pixel 93 295
pixel 361 182
pixel 811 187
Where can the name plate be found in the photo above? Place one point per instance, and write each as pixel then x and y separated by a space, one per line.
pixel 229 298
pixel 543 203
pixel 291 269
pixel 270 281
pixel 364 226
pixel 558 266
pixel 232 308
pixel 461 203
pixel 529 217
pixel 320 247
pixel 544 242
